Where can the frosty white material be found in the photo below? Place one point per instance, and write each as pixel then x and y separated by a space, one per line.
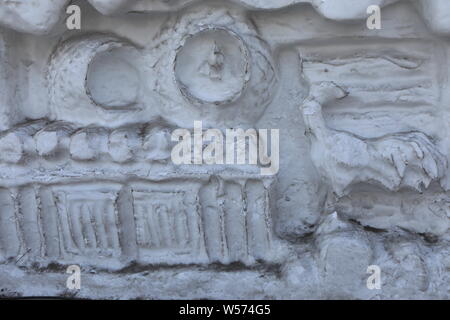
pixel 32 16
pixel 222 69
pixel 85 140
pixel 407 159
pixel 112 82
pixel 39 17
pixel 248 91
pixel 97 79
pixel 436 14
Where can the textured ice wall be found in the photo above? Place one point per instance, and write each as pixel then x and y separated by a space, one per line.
pixel 86 176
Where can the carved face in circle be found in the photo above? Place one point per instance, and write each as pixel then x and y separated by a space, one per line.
pixel 212 67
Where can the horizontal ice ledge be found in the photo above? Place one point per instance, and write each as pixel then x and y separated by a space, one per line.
pixel 41 16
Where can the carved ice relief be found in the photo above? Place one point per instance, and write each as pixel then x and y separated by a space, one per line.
pixel 88 222
pixel 425 213
pixel 153 222
pixel 92 80
pixel 370 135
pixel 213 67
pixel 393 86
pixel 223 72
pixel 348 82
pixel 394 161
pixel 40 16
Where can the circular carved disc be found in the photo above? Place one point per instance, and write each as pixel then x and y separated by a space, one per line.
pixel 111 81
pixel 212 67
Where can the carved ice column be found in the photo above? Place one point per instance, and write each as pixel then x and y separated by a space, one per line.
pixel 9 110
pixel 237 221
pixel 10 242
